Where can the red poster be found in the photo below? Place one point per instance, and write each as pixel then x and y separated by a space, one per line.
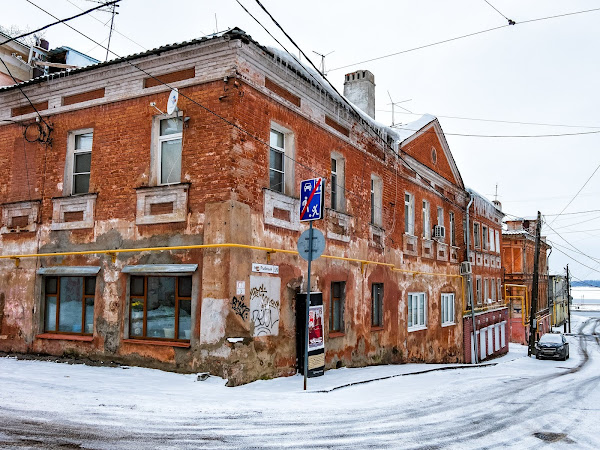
pixel 315 328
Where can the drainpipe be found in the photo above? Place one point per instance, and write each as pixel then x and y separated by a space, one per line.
pixel 470 282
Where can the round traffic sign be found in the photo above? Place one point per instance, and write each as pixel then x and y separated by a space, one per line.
pixel 318 244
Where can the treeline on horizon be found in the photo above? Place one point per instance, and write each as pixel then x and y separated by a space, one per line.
pixel 586 283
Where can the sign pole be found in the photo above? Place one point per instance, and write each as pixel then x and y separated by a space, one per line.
pixel 310 251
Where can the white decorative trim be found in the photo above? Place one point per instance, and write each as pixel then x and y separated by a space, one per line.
pixel 174 193
pixel 340 221
pixel 276 200
pixel 454 253
pixel 11 210
pixel 479 259
pixel 486 260
pixel 77 203
pixel 441 251
pixel 377 236
pixel 409 241
pixel 427 248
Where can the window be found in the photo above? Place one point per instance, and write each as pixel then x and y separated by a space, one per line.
pixel 486 290
pixel 492 244
pixel 426 221
pixel 497 241
pixel 277 162
pixel 417 315
pixel 484 237
pixel 409 214
pixel 338 202
pixel 69 304
pixel 476 237
pixel 440 216
pixel 447 309
pixel 160 307
pixel 499 287
pixel 79 162
pixel 169 150
pixel 281 160
pixel 452 230
pixel 493 289
pixel 376 200
pixel 336 306
pixel 377 305
pixel 478 290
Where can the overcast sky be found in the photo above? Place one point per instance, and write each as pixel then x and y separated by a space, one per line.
pixel 542 72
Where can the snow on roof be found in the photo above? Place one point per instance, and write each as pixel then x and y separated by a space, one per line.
pixel 411 128
pixel 483 206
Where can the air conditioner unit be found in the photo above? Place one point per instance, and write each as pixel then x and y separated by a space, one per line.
pixel 465 268
pixel 439 231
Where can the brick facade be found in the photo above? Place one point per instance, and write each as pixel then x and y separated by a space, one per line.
pixel 223 197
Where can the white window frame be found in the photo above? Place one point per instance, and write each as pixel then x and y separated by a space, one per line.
pixel 486 290
pixel 69 185
pixel 447 300
pixel 409 213
pixel 452 228
pixel 476 235
pixel 493 289
pixel 421 306
pixel 478 289
pixel 157 140
pixel 499 287
pixel 426 220
pixel 440 216
pixel 376 200
pixel 340 182
pixel 484 237
pixel 289 152
pixel 497 241
pixel 492 243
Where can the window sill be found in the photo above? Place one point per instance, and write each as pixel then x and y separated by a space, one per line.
pixel 336 334
pixel 375 329
pixel 66 337
pixel 411 329
pixel 152 342
pixel 449 324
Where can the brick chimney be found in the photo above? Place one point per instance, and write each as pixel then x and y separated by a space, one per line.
pixel 359 88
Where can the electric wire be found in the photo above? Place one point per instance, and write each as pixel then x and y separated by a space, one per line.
pixel 571 201
pixel 510 22
pixel 462 37
pixel 494 120
pixel 58 21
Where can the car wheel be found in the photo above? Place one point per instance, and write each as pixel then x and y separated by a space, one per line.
pixel 537 356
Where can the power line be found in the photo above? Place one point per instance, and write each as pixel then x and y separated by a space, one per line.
pixel 571 201
pixel 572 213
pixel 462 37
pixel 578 262
pixel 59 21
pixel 493 120
pixel 510 21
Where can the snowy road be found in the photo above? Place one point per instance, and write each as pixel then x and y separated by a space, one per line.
pixel 519 402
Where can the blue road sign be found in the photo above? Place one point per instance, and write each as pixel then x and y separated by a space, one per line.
pixel 311 199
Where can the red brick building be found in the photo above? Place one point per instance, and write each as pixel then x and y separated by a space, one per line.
pixel 489 317
pixel 518 248
pixel 130 234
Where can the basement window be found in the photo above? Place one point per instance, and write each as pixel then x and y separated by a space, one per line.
pixel 69 305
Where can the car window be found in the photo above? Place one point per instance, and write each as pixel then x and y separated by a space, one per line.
pixel 551 339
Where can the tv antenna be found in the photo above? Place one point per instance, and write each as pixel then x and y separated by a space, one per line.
pixel 109 9
pixel 394 104
pixel 171 103
pixel 323 61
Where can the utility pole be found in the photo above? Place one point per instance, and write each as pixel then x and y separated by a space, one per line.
pixel 568 299
pixel 534 287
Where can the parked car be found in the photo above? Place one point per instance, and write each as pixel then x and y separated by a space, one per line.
pixel 552 345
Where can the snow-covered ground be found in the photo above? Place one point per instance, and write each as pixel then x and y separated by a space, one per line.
pixel 516 402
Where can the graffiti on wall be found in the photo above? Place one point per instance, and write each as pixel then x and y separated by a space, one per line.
pixel 239 307
pixel 265 304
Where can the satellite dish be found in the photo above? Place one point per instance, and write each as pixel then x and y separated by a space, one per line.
pixel 172 102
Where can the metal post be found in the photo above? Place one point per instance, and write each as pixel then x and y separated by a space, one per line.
pixel 569 297
pixel 534 287
pixel 310 256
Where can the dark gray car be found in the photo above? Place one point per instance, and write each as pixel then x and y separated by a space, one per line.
pixel 552 346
